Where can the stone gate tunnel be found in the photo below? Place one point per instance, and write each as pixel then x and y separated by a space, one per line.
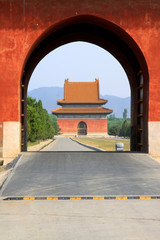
pixel 128 29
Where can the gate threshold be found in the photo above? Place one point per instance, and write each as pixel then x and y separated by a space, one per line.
pixel 86 198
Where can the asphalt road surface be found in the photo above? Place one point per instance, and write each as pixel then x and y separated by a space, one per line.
pixel 83 174
pixel 65 144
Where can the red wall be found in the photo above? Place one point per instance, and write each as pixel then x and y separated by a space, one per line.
pixel 1 138
pixel 23 22
pixel 93 125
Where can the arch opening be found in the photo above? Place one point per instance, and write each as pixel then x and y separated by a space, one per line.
pixel 120 45
pixel 82 128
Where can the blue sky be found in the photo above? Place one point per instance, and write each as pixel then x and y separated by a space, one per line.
pixel 81 61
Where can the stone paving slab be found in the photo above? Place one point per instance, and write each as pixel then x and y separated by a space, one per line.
pixel 70 220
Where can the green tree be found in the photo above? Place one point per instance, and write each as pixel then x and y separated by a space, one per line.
pixel 114 130
pixel 39 124
pixel 53 119
pixel 128 132
pixel 124 129
pixel 125 113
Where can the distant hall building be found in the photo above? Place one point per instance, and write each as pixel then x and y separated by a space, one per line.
pixel 82 112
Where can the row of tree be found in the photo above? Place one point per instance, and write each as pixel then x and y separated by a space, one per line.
pixel 39 124
pixel 120 130
pixel 119 126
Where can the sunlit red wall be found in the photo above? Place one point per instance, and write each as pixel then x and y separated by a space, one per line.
pixel 22 23
pixel 93 125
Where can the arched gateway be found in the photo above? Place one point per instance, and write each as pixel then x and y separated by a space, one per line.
pixel 82 128
pixel 33 33
pixel 120 45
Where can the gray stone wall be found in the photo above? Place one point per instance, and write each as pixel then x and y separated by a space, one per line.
pixel 92 115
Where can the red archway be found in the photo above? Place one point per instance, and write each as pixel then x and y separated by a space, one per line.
pixel 113 39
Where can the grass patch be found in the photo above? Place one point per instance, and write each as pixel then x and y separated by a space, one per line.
pixel 29 144
pixel 107 144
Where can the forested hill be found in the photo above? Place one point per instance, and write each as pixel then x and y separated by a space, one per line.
pixel 50 95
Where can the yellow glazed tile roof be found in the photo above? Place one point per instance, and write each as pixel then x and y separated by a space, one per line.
pixel 82 110
pixel 81 92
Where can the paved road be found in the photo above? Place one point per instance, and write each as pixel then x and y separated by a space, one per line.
pixel 65 144
pixel 83 173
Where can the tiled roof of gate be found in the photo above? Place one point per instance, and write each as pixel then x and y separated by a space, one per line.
pixel 82 110
pixel 81 92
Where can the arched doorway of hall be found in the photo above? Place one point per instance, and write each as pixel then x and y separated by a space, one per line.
pixel 114 40
pixel 82 128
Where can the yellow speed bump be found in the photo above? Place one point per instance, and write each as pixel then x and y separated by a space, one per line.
pixel 75 198
pixel 87 198
pixel 122 198
pixel 52 198
pixel 29 198
pixel 98 198
pixel 145 197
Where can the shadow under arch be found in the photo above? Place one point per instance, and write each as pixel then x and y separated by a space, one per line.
pixel 111 38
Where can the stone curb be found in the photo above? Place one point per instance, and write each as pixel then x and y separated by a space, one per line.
pixel 38 147
pixel 88 146
pixel 46 145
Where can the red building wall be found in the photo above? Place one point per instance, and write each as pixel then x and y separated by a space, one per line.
pixel 1 138
pixel 93 125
